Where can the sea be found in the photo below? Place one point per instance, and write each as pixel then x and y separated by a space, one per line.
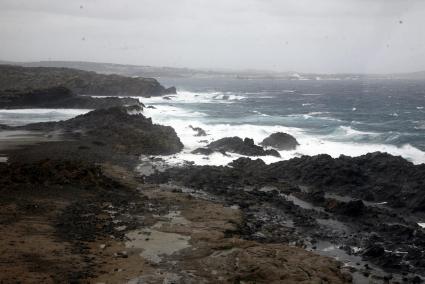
pixel 334 117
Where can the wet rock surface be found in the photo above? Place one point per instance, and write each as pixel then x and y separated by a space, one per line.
pixel 278 207
pixel 58 97
pixel 102 134
pixel 280 141
pixel 237 145
pixel 51 212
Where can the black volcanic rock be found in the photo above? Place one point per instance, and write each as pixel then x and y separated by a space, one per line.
pixel 280 141
pixel 58 97
pixel 122 128
pixel 199 131
pixel 170 91
pixel 239 146
pixel 78 81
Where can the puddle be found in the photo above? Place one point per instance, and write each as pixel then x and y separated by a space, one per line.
pixel 348 199
pixel 267 188
pixel 301 203
pixel 334 225
pixel 148 165
pixel 172 218
pixel 156 244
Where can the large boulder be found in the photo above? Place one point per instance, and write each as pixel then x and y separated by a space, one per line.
pixel 280 141
pixel 244 147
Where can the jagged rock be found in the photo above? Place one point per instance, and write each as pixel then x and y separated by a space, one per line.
pixel 170 91
pixel 280 141
pixel 239 146
pixel 199 131
pixel 124 128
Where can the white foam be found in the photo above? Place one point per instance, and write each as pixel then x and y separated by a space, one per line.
pixel 186 97
pixel 348 132
pixel 341 142
pixel 421 225
pixel 180 120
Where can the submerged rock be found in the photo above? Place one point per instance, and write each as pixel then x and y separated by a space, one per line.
pixel 280 141
pixel 239 146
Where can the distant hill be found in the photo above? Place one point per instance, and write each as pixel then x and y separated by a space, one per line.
pixel 172 72
pixel 80 82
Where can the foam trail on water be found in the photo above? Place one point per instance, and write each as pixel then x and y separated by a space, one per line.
pixel 186 97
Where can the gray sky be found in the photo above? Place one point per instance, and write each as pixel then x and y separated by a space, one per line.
pixel 302 35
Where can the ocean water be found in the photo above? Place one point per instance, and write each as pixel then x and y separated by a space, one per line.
pixel 335 117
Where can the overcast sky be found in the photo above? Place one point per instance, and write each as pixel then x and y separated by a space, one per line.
pixel 371 36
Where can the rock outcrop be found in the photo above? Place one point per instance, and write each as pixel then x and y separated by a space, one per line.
pixel 280 141
pixel 58 97
pixel 122 128
pixel 79 82
pixel 237 145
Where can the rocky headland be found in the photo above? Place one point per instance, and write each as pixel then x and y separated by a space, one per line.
pixel 58 97
pixel 79 82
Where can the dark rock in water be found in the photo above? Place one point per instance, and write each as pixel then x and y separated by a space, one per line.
pixel 200 131
pixel 170 91
pixel 58 97
pixel 207 151
pixel 5 127
pixel 123 128
pixel 280 141
pixel 151 107
pixel 166 98
pixel 203 151
pixel 78 81
pixel 239 146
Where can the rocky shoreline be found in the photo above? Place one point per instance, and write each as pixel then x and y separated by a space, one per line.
pixel 99 218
